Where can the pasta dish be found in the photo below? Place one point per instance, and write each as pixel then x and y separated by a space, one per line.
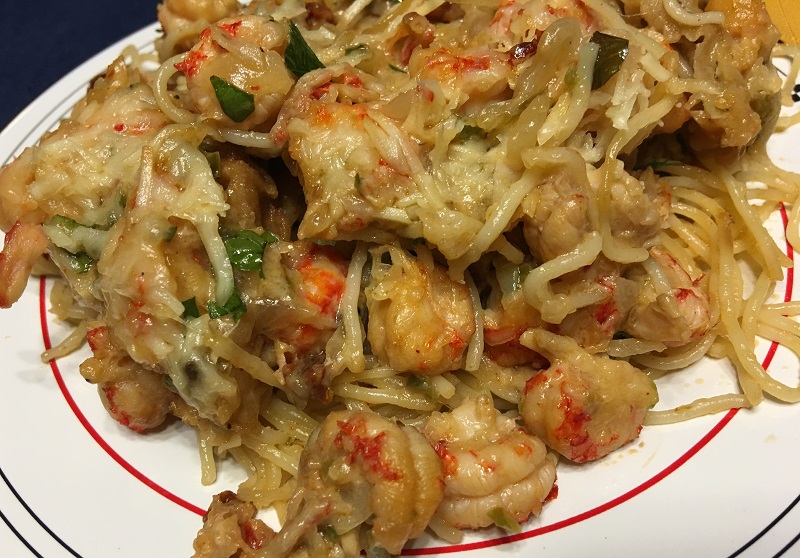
pixel 397 258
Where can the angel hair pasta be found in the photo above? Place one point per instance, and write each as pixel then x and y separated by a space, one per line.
pixel 396 257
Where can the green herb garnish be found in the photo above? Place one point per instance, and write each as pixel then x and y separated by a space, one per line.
pixel 236 103
pixel 214 162
pixel 79 263
pixel 571 77
pixel 655 165
pixel 352 49
pixel 469 132
pixel 611 54
pixel 246 248
pixel 64 223
pixel 328 532
pixel 190 309
pixel 503 519
pixel 299 57
pixel 166 379
pixel 421 384
pixel 170 234
pixel 234 306
pixel 397 69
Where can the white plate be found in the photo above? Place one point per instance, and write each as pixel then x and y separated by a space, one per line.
pixel 75 483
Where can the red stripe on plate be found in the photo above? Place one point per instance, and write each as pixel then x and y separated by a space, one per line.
pixel 88 426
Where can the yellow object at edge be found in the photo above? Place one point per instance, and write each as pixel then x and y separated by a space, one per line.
pixel 786 16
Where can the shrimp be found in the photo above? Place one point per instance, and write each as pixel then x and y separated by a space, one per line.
pixel 355 163
pixel 490 463
pixel 230 528
pixel 302 289
pixel 506 317
pixel 469 79
pixel 133 395
pixel 583 406
pixel 672 308
pixel 16 200
pixel 556 217
pixel 517 21
pixel 242 51
pixel 356 466
pixel 420 320
pixel 639 207
pixel 24 245
pixel 174 14
pixel 297 304
pixel 415 30
pixel 594 326
pixel 749 23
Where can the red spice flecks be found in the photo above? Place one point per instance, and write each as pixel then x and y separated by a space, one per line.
pixel 445 60
pixel 682 294
pixel 353 81
pixel 322 116
pixel 606 311
pixel 552 495
pixel 230 28
pixel 190 65
pixel 488 467
pixel 324 275
pixel 320 91
pixel 523 449
pixel 110 391
pixel 573 429
pixel 251 535
pixel 367 448
pixel 537 380
pixel 698 280
pixel 449 461
pixel 500 13
pixel 426 93
pixel 98 339
pixel 134 130
pixel 456 344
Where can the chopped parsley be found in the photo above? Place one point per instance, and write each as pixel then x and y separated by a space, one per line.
pixel 64 223
pixel 79 263
pixel 299 57
pixel 214 162
pixel 236 103
pixel 611 54
pixel 352 49
pixel 190 309
pixel 234 307
pixel 170 234
pixel 469 132
pixel 246 248
pixel 503 519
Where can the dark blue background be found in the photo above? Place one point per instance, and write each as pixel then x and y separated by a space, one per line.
pixel 43 41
